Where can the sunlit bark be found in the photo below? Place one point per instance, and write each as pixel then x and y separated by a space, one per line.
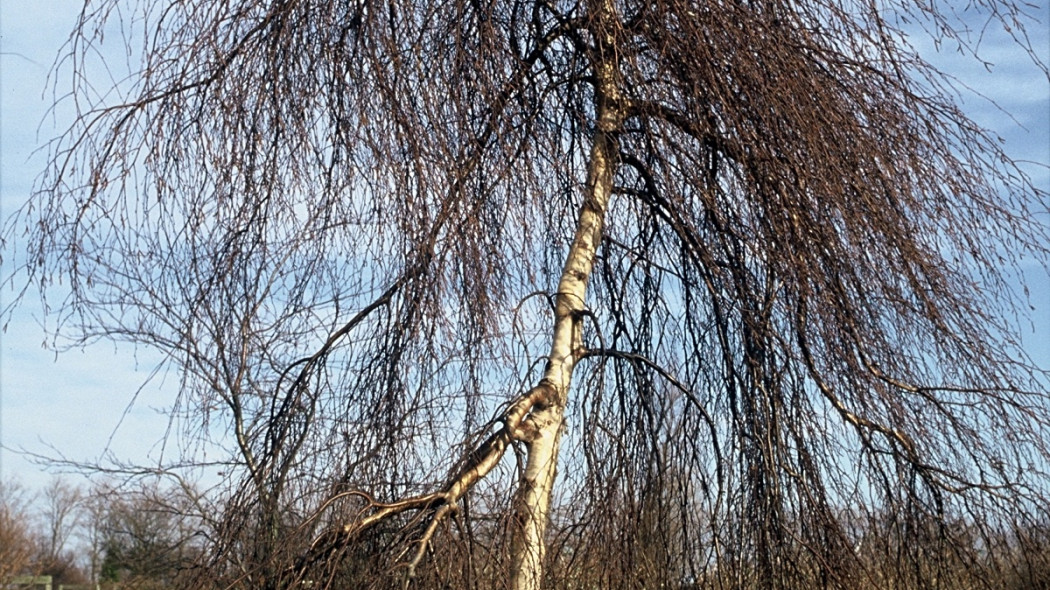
pixel 546 421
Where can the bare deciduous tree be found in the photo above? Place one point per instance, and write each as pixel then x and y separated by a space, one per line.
pixel 740 268
pixel 146 535
pixel 60 511
pixel 17 542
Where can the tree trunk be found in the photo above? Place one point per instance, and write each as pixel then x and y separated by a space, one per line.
pixel 543 426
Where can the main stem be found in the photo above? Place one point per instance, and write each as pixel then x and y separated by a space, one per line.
pixel 544 423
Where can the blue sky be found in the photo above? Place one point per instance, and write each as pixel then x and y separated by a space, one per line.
pixel 86 404
pixel 71 404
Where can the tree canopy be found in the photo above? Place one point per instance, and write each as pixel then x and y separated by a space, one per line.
pixel 747 262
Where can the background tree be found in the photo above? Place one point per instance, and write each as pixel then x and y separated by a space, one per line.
pixel 364 232
pixel 147 537
pixel 140 533
pixel 16 538
pixel 61 509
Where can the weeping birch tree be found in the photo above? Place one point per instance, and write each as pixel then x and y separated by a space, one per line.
pixel 528 293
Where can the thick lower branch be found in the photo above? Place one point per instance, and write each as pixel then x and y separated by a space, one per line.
pixel 516 425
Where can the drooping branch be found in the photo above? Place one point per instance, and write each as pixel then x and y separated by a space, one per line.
pixel 697 405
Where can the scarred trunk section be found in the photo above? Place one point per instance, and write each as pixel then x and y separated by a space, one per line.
pixel 542 428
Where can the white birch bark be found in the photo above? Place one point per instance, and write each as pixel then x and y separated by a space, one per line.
pixel 535 418
pixel 542 428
